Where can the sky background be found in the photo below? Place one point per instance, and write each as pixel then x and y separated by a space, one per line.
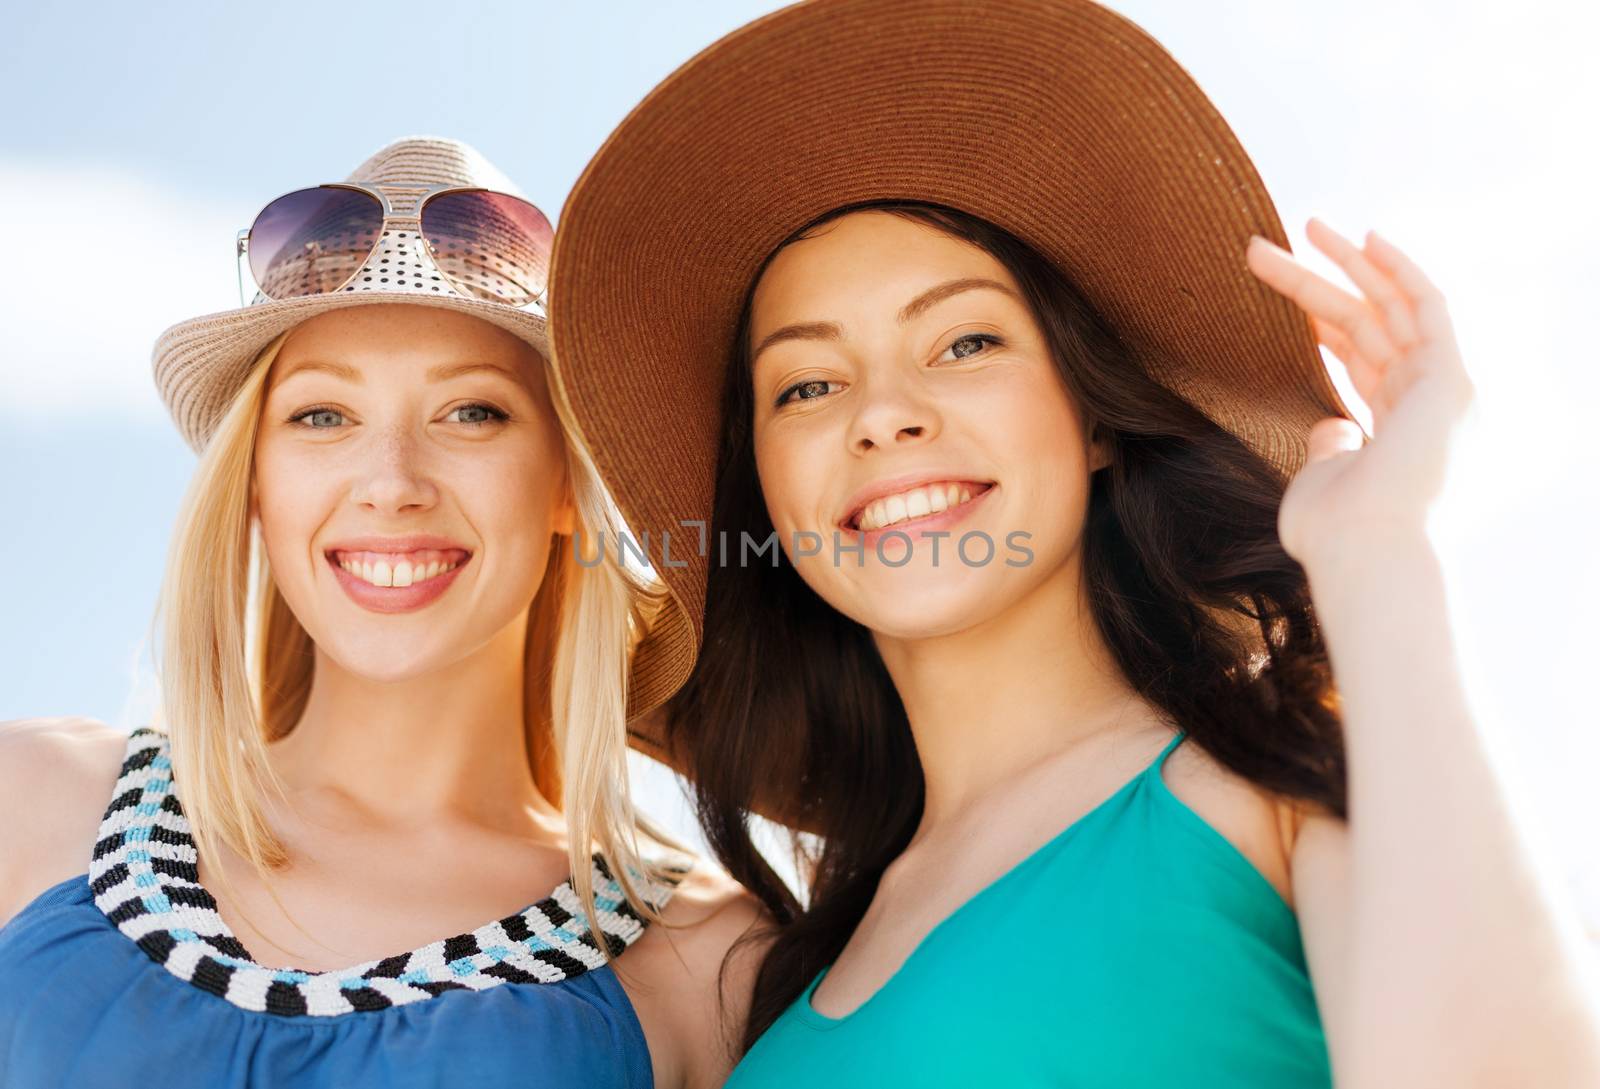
pixel 135 140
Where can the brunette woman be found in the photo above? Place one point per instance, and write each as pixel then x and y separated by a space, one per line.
pixel 1106 656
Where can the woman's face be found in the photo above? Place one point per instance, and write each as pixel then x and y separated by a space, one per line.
pixel 427 423
pixel 902 384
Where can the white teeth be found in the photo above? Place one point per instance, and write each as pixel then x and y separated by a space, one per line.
pixel 915 503
pixel 402 574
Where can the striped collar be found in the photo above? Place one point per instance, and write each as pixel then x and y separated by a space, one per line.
pixel 145 878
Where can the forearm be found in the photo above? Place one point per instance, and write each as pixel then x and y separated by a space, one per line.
pixel 1465 964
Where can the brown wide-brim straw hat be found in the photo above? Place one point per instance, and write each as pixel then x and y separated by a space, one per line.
pixel 199 364
pixel 1058 120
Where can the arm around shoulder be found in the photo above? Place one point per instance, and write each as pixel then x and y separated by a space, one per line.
pixel 56 777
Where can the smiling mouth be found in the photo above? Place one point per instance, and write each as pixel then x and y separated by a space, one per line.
pixel 914 504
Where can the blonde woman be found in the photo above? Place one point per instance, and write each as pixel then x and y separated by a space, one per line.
pixel 383 833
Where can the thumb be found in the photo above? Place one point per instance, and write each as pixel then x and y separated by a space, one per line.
pixel 1331 436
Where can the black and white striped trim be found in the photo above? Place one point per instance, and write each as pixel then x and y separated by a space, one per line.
pixel 145 879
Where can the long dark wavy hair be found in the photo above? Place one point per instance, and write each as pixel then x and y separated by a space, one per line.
pixel 790 710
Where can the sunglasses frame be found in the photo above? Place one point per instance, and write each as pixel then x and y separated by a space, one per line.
pixel 402 209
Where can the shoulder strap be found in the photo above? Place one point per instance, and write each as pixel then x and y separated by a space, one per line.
pixel 145 765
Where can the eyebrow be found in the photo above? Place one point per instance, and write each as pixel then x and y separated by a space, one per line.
pixel 436 374
pixel 940 292
pixel 829 330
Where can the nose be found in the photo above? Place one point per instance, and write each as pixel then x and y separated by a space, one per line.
pixel 394 476
pixel 891 412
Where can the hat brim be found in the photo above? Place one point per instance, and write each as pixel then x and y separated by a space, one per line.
pixel 1058 120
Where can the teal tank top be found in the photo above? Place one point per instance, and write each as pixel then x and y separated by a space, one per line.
pixel 1137 948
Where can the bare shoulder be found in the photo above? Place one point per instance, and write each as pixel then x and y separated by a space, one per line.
pixel 691 979
pixel 709 912
pixel 1258 823
pixel 707 893
pixel 56 778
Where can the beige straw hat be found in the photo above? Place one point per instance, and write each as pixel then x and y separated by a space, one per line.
pixel 1058 120
pixel 199 364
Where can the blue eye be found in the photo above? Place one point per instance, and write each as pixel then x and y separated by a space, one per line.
pixel 319 410
pixel 808 390
pixel 495 415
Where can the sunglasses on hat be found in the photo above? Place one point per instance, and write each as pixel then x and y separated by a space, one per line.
pixel 350 236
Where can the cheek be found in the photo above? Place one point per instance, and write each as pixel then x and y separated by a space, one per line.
pixel 1046 439
pixel 511 494
pixel 787 467
pixel 292 497
pixel 1037 424
pixel 512 487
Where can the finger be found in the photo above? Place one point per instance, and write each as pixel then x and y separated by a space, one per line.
pixel 1367 378
pixel 1381 291
pixel 1331 436
pixel 1321 299
pixel 1427 301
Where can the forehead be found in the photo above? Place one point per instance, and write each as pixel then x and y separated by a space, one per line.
pixel 860 256
pixel 401 341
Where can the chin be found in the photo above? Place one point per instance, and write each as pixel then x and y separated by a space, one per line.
pixel 906 604
pixel 387 660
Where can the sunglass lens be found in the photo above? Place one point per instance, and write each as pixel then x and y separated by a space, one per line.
pixel 491 245
pixel 312 241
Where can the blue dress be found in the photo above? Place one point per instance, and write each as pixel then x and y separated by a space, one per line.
pixel 126 975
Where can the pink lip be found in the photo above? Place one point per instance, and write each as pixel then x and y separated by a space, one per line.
pixel 410 543
pixel 930 523
pixel 395 599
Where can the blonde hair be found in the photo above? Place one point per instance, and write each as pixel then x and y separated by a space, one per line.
pixel 235 666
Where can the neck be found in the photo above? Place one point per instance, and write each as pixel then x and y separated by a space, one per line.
pixel 990 702
pixel 432 747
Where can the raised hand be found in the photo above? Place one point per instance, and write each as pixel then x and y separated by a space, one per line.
pixel 1396 340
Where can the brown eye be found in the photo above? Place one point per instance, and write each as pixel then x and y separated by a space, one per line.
pixel 971 344
pixel 807 391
